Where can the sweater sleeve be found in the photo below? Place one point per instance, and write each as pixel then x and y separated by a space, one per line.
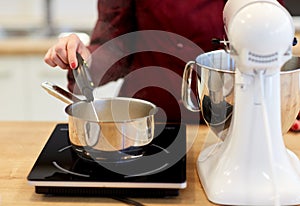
pixel 115 18
pixel 281 2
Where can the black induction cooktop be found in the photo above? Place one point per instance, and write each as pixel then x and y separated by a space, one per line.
pixel 159 172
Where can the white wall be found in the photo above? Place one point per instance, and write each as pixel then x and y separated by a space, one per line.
pixel 75 13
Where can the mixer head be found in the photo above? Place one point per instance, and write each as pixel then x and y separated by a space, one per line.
pixel 261 34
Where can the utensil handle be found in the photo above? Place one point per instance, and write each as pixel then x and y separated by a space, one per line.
pixel 186 90
pixel 60 93
pixel 83 78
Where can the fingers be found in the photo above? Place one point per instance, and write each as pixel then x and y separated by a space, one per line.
pixel 53 59
pixel 72 47
pixel 63 53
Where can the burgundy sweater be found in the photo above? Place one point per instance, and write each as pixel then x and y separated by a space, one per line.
pixel 152 61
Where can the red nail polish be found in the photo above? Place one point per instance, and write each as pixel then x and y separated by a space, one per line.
pixel 73 65
pixel 295 126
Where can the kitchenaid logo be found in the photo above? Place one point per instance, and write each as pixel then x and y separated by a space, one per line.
pixel 112 53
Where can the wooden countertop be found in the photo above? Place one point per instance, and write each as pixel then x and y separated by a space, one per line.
pixel 40 45
pixel 21 143
pixel 25 45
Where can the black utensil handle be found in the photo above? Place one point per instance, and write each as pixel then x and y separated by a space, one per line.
pixel 83 78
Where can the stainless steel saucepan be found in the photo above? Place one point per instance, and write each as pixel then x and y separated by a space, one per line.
pixel 123 126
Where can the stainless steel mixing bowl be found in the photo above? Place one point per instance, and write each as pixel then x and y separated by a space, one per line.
pixel 215 90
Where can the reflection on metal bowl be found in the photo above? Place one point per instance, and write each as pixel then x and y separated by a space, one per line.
pixel 215 84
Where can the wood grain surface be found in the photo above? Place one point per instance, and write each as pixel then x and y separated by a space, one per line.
pixel 21 143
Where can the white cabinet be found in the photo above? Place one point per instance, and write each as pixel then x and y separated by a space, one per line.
pixel 42 105
pixel 12 80
pixel 22 96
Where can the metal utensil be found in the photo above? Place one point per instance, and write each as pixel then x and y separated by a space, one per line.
pixel 84 82
pixel 83 78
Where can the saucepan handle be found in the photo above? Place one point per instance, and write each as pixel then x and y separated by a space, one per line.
pixel 60 93
pixel 186 88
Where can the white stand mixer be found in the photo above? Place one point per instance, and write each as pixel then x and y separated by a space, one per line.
pixel 252 166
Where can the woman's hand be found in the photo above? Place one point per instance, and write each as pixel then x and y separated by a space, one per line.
pixel 63 53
